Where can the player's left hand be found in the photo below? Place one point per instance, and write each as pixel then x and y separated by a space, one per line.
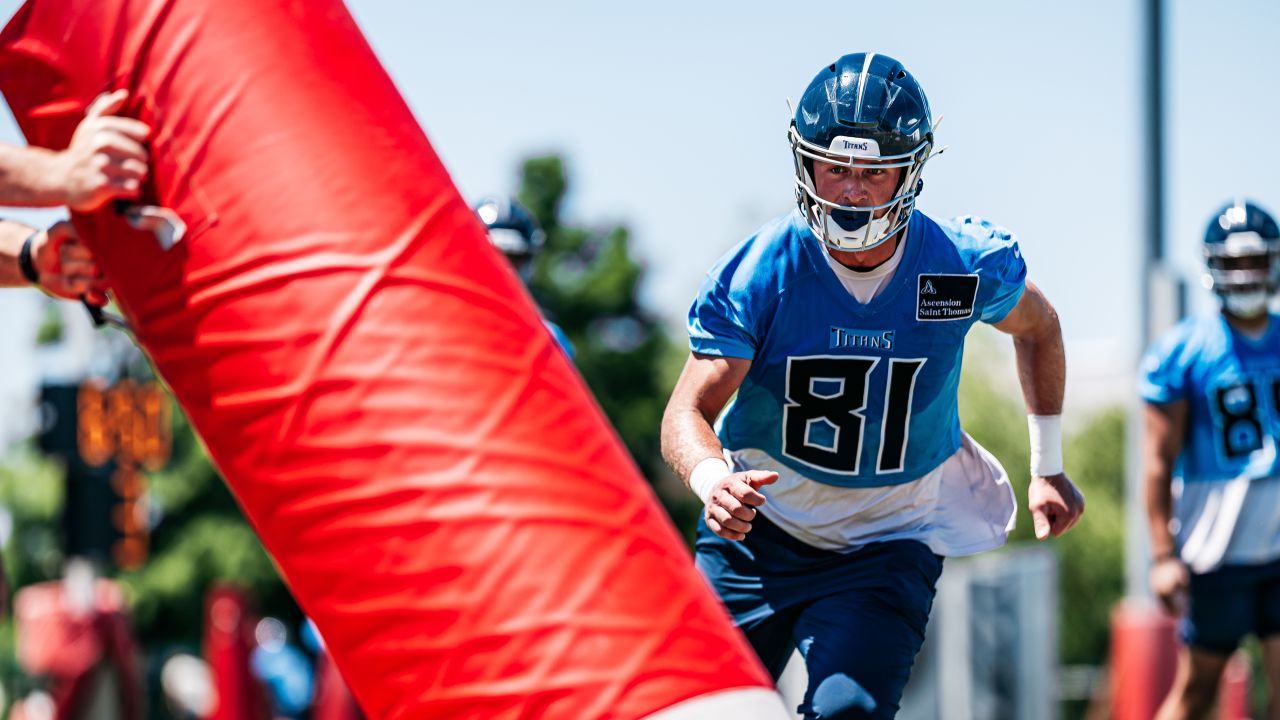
pixel 66 268
pixel 1055 503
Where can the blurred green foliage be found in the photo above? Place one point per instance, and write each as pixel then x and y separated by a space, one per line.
pixel 1090 556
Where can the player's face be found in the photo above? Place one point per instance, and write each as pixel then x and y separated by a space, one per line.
pixel 1257 261
pixel 859 187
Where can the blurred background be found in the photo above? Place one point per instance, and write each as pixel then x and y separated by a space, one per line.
pixel 648 139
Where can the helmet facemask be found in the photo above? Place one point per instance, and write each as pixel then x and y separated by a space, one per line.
pixel 1243 270
pixel 512 230
pixel 850 227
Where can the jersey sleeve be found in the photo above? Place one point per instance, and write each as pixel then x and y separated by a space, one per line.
pixel 1163 372
pixel 561 339
pixel 1001 269
pixel 718 322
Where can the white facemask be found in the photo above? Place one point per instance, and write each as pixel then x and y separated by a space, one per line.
pixel 867 236
pixel 1248 304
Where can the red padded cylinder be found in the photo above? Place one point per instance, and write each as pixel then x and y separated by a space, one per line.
pixel 1144 658
pixel 436 484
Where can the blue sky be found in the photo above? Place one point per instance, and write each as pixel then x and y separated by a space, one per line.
pixel 672 117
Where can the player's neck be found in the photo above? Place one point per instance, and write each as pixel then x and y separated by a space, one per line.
pixel 867 260
pixel 1254 327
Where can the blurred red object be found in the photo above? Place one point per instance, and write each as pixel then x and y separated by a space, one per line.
pixel 1144 658
pixel 70 645
pixel 1233 692
pixel 333 698
pixel 1144 661
pixel 228 642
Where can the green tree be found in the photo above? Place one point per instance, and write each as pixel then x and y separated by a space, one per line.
pixel 587 282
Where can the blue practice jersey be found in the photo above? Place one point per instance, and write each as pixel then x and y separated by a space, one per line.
pixel 1232 387
pixel 561 339
pixel 843 393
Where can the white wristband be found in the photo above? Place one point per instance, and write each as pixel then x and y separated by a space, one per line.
pixel 705 475
pixel 1046 444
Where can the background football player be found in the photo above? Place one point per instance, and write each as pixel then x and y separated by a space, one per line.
pixel 515 232
pixel 839 477
pixel 1212 388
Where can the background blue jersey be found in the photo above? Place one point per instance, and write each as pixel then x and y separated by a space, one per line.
pixel 843 393
pixel 1232 387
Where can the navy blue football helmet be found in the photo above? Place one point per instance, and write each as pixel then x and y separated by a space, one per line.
pixel 1242 257
pixel 512 229
pixel 864 110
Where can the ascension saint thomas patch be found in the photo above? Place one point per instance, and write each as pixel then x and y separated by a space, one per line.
pixel 945 297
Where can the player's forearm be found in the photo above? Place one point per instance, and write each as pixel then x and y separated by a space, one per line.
pixel 1164 428
pixel 12 235
pixel 1042 363
pixel 1160 510
pixel 31 177
pixel 687 439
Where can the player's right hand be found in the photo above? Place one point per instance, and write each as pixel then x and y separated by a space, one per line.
pixel 1169 581
pixel 733 502
pixel 106 159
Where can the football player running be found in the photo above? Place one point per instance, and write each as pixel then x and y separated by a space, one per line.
pixel 1212 392
pixel 838 479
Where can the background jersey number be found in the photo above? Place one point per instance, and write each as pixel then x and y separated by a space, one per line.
pixel 1240 417
pixel 842 409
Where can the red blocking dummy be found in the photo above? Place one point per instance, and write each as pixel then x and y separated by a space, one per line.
pixel 436 484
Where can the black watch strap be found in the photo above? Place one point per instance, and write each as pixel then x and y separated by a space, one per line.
pixel 26 263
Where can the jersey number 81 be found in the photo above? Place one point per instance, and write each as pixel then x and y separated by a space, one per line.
pixel 842 410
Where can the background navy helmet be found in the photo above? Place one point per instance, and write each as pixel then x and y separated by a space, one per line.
pixel 512 229
pixel 1242 257
pixel 863 110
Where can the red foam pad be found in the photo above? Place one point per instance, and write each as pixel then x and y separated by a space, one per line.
pixel 436 484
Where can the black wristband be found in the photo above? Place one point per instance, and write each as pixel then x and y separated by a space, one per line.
pixel 25 262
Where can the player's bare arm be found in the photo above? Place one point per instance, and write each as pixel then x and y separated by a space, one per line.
pixel 105 160
pixel 1055 503
pixel 1166 425
pixel 691 448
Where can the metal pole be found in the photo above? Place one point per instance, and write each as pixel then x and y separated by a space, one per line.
pixel 1154 304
